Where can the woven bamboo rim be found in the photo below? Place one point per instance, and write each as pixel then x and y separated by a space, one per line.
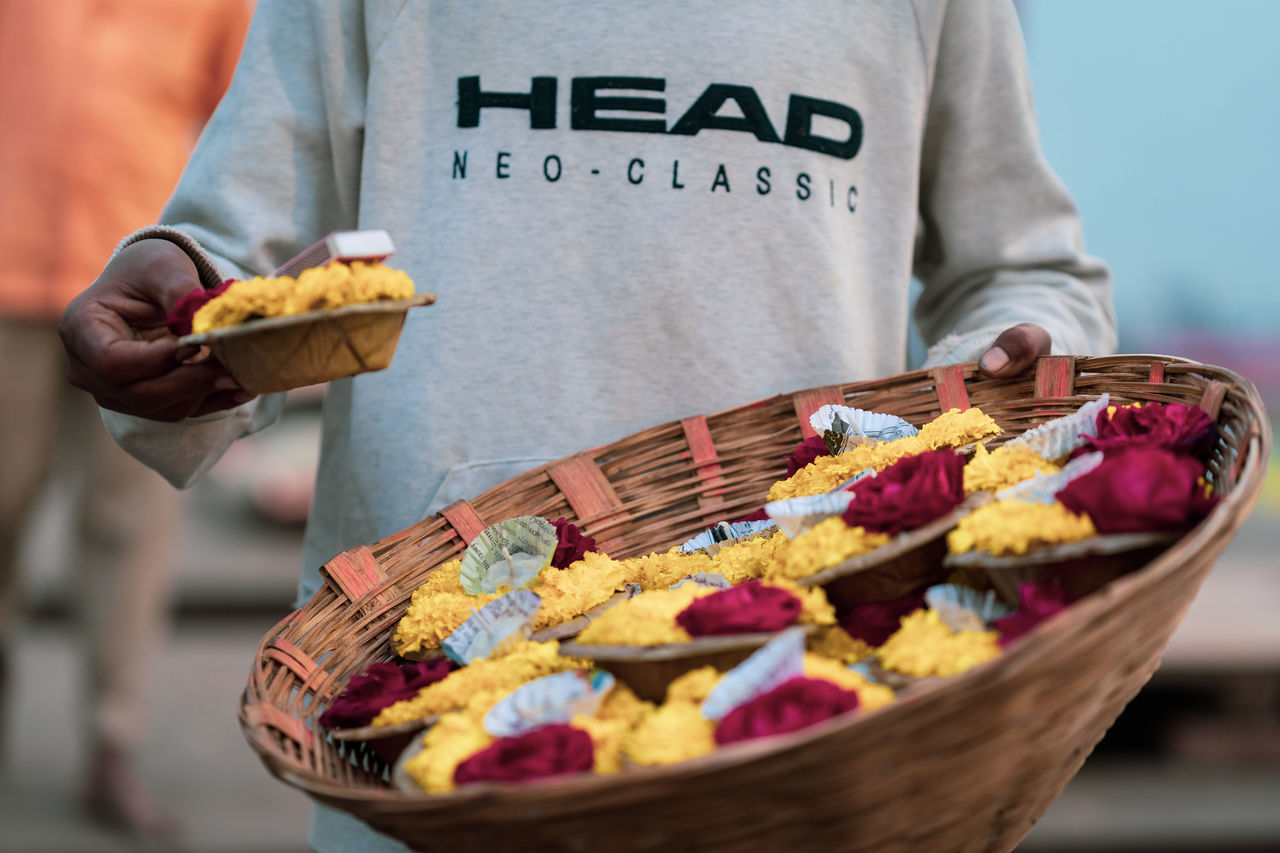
pixel 969 763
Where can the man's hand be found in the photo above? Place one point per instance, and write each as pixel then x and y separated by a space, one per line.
pixel 119 350
pixel 1015 350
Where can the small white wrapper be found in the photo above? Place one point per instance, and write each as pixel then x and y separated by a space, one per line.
pixel 1056 438
pixel 796 515
pixel 854 426
pixel 509 553
pixel 1043 488
pixel 548 700
pixel 779 660
pixel 965 609
pixel 710 580
pixel 490 625
pixel 714 538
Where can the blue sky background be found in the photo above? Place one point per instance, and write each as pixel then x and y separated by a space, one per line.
pixel 1163 119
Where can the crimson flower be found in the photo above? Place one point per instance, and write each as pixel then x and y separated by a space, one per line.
pixel 874 621
pixel 178 320
pixel 806 451
pixel 793 705
pixel 748 608
pixel 908 494
pixel 572 544
pixel 380 685
pixel 1140 490
pixel 1036 603
pixel 1171 426
pixel 549 751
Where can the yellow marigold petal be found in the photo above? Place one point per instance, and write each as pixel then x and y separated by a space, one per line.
pixel 694 686
pixel 1014 527
pixel 925 646
pixel 1002 468
pixel 955 428
pixel 870 696
pixel 835 642
pixel 452 740
pixel 607 736
pixel 675 732
pixel 646 620
pixel 825 544
pixel 432 616
pixel 621 703
pixel 524 662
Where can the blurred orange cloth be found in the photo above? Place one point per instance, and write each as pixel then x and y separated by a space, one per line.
pixel 99 105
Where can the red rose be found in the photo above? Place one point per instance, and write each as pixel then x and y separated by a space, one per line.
pixel 908 494
pixel 1140 490
pixel 571 545
pixel 1171 426
pixel 793 705
pixel 875 621
pixel 178 320
pixel 549 751
pixel 806 451
pixel 380 685
pixel 1037 602
pixel 748 608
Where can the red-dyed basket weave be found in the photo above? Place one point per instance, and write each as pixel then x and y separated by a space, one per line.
pixel 969 763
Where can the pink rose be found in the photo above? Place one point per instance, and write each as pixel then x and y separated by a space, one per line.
pixel 571 545
pixel 908 494
pixel 178 320
pixel 748 608
pixel 378 686
pixel 1037 602
pixel 549 751
pixel 1171 426
pixel 1140 490
pixel 874 621
pixel 793 705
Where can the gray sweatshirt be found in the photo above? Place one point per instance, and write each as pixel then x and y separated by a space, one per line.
pixel 630 213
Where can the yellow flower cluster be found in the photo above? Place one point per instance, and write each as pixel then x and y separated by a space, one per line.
pixel 522 662
pixel 956 428
pixel 990 472
pixel 315 289
pixel 835 642
pixel 1014 527
pixel 649 619
pixel 749 559
pixel 950 429
pixel 826 544
pixel 925 646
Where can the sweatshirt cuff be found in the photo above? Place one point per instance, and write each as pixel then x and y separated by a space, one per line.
pixel 210 275
pixel 962 347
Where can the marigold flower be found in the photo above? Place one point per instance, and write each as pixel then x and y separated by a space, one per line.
pixel 924 646
pixel 836 643
pixel 955 428
pixel 1014 527
pixel 827 543
pixel 993 471
pixel 675 732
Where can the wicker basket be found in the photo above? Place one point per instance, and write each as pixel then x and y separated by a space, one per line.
pixel 281 353
pixel 966 763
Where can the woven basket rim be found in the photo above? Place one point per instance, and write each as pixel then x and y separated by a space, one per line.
pixel 1225 518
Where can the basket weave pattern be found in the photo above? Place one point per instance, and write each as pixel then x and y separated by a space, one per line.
pixel 969 763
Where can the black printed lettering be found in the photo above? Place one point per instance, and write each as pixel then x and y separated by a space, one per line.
pixel 584 103
pixel 546 168
pixel 802 186
pixel 722 179
pixel 762 180
pixel 632 175
pixel 540 101
pixel 800 127
pixel 500 168
pixel 853 195
pixel 702 114
pixel 459 165
pixel 675 175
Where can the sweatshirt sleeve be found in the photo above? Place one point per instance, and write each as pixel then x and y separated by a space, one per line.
pixel 277 168
pixel 1000 240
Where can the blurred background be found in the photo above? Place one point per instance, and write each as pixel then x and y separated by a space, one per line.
pixel 1160 116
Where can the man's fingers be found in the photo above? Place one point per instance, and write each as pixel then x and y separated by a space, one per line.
pixel 1015 350
pixel 184 388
